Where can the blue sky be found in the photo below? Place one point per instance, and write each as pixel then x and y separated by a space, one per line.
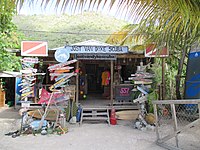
pixel 36 8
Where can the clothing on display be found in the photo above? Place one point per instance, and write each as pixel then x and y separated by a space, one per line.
pixel 105 78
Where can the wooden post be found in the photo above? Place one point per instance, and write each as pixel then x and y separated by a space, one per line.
pixel 15 93
pixel 111 81
pixel 199 109
pixel 175 122
pixel 163 78
pixel 77 83
pixel 156 117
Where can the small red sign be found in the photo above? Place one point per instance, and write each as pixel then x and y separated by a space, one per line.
pixel 34 48
pixel 152 51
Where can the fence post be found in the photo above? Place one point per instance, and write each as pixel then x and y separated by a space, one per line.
pixel 199 109
pixel 156 117
pixel 175 121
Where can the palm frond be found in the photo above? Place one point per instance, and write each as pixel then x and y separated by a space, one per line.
pixel 165 21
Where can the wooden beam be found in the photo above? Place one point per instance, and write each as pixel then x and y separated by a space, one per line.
pixel 199 109
pixel 130 55
pixel 111 81
pixel 175 122
pixel 156 117
pixel 184 129
pixel 163 78
pixel 167 146
pixel 15 92
pixel 192 101
pixel 77 83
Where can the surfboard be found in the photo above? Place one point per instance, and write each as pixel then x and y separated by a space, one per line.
pixel 127 114
pixel 62 64
pixel 51 114
pixel 27 94
pixel 62 68
pixel 61 71
pixel 64 74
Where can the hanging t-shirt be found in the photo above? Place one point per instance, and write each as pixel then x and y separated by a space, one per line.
pixel 105 78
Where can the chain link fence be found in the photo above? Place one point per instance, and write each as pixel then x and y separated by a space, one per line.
pixel 178 124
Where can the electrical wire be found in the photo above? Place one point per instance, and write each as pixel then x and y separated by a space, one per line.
pixel 76 33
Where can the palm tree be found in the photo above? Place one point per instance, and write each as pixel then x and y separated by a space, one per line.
pixel 129 36
pixel 175 23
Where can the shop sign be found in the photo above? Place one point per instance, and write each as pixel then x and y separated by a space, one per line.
pixel 96 57
pixel 25 104
pixel 123 92
pixel 97 49
pixel 30 60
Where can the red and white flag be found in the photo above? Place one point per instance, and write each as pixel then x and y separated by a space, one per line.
pixel 152 51
pixel 34 48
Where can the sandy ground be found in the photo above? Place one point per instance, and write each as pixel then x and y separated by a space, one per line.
pixel 85 137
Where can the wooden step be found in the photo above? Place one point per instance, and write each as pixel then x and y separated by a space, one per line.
pixel 90 108
pixel 95 113
pixel 95 118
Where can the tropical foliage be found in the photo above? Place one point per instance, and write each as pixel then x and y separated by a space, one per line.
pixel 9 38
pixel 174 24
pixel 129 36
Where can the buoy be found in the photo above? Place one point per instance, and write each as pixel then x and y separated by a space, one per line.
pixel 43 132
pixel 150 118
pixel 113 120
pixel 84 96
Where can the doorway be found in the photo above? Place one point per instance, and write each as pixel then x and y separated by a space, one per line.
pixel 91 74
pixel 94 72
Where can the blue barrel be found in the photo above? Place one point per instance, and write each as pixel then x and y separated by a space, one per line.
pixel 192 82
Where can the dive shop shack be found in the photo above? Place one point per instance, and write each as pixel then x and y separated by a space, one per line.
pixel 103 71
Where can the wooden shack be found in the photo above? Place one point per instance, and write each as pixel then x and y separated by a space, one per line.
pixel 89 87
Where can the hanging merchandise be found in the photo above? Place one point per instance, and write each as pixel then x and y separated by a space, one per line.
pixel 61 74
pixel 28 77
pixel 105 78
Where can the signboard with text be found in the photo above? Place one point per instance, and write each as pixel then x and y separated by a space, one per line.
pixel 96 49
pixel 96 57
pixel 123 92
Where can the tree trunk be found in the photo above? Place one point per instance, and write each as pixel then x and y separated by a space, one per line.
pixel 178 76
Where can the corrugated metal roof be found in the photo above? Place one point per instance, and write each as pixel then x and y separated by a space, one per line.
pixel 87 43
pixel 8 74
pixel 92 43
